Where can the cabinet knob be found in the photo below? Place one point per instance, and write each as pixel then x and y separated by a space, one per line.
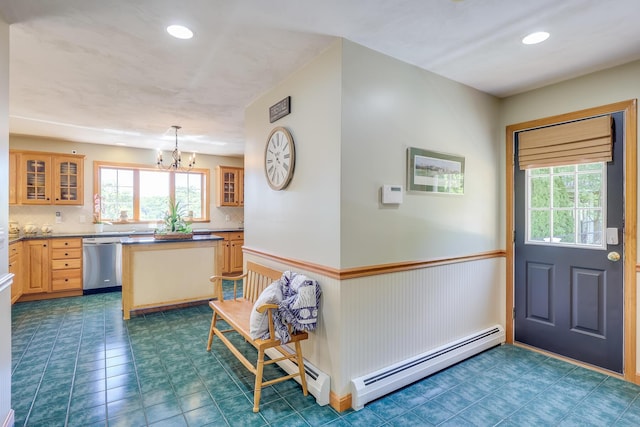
pixel 66 254
pixel 66 280
pixel 66 243
pixel 66 265
pixel 44 246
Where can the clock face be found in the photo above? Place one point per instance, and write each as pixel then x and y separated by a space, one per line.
pixel 279 158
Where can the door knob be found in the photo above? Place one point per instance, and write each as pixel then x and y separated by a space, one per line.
pixel 613 256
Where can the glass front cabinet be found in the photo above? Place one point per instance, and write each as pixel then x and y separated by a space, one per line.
pixel 49 179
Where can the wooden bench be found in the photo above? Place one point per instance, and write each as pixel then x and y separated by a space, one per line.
pixel 237 311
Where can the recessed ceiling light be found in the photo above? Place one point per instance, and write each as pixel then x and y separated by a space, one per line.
pixel 179 32
pixel 535 38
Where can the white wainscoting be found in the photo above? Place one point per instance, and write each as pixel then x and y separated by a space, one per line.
pixel 372 322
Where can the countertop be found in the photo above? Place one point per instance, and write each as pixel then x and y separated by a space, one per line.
pixel 138 234
pixel 151 240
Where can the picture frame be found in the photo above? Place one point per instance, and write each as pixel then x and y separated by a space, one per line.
pixel 435 172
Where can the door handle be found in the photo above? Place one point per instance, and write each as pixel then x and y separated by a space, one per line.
pixel 613 256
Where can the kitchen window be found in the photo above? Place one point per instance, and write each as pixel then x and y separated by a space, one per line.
pixel 142 193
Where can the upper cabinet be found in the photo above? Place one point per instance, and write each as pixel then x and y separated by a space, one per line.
pixel 13 178
pixel 47 178
pixel 229 186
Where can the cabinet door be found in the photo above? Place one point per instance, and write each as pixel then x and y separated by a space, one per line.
pixel 67 178
pixel 16 267
pixel 13 179
pixel 35 171
pixel 236 255
pixel 230 186
pixel 37 258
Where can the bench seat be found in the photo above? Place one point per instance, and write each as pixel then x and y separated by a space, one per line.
pixel 236 313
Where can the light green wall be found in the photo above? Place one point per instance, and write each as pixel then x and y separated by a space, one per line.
pixel 354 114
pixel 387 107
pixel 302 221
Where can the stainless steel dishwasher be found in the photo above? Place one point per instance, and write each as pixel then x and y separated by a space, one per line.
pixel 102 264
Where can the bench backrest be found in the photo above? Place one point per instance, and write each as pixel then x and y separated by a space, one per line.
pixel 258 278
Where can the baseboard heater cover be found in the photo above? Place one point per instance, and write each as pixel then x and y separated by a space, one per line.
pixel 318 383
pixel 384 381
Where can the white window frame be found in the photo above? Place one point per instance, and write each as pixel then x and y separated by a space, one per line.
pixel 575 209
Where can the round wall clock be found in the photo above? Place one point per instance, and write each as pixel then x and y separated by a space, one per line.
pixel 279 158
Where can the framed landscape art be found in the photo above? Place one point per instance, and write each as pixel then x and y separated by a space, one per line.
pixel 434 172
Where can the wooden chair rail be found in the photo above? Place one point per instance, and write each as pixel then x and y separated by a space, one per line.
pixel 237 311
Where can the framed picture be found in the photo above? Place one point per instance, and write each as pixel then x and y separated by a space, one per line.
pixel 434 172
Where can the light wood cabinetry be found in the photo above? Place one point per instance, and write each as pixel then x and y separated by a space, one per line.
pixel 232 251
pixel 13 178
pixel 53 268
pixel 37 268
pixel 229 186
pixel 47 178
pixel 16 266
pixel 66 264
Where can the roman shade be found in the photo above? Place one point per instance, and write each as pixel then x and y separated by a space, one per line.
pixel 584 141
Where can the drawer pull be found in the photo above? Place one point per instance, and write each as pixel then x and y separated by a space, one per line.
pixel 66 254
pixel 66 280
pixel 66 243
pixel 66 265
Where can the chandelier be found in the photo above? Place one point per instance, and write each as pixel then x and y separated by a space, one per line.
pixel 176 160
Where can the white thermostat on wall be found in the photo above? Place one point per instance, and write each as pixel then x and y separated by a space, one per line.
pixel 391 194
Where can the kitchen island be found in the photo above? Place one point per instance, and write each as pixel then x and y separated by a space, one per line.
pixel 160 273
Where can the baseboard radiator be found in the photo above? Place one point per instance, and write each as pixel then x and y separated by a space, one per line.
pixel 318 383
pixel 377 384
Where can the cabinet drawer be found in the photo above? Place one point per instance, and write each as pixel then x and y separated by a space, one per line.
pixel 13 262
pixel 65 280
pixel 66 243
pixel 66 253
pixel 61 264
pixel 230 235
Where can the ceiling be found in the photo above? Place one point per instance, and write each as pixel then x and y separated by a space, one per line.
pixel 107 72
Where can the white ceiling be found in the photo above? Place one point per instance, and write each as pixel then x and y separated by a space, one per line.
pixel 105 71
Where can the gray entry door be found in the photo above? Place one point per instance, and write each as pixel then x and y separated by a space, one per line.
pixel 568 293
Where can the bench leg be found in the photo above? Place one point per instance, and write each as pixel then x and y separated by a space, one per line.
pixel 258 386
pixel 213 325
pixel 303 376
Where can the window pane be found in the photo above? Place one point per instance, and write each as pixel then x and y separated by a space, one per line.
pixel 189 193
pixel 116 192
pixel 576 215
pixel 539 171
pixel 590 167
pixel 564 226
pixel 540 225
pixel 590 231
pixel 561 169
pixel 563 191
pixel 154 195
pixel 590 190
pixel 540 192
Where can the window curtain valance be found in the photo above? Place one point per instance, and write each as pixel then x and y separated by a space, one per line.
pixel 584 141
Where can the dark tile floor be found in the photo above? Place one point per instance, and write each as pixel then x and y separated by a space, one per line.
pixel 77 363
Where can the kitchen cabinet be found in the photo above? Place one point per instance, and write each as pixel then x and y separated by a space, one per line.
pixel 232 252
pixel 53 268
pixel 229 186
pixel 48 178
pixel 13 178
pixel 36 261
pixel 66 265
pixel 16 267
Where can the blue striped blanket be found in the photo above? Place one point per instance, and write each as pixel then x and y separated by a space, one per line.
pixel 298 299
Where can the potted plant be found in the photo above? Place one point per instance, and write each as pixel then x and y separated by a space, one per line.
pixel 173 225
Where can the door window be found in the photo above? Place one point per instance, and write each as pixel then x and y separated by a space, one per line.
pixel 565 205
